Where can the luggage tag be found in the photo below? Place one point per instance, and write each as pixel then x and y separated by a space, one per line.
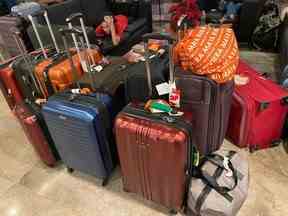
pixel 161 106
pixel 163 88
pixel 174 95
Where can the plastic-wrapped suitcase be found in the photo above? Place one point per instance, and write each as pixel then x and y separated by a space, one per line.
pixel 35 128
pixel 8 85
pixel 81 126
pixel 155 151
pixel 258 111
pixel 210 104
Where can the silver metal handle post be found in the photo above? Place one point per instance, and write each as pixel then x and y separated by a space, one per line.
pixel 51 31
pixel 38 36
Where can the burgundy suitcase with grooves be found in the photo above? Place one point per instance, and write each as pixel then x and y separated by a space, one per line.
pixel 36 131
pixel 155 151
pixel 8 85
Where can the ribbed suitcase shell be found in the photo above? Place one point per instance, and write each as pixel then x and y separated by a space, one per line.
pixel 37 132
pixel 210 104
pixel 58 72
pixel 251 125
pixel 82 131
pixel 9 86
pixel 153 158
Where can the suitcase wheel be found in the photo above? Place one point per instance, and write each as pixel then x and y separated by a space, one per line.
pixel 173 212
pixel 70 170
pixel 105 181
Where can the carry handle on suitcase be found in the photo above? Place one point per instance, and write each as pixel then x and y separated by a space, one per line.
pixel 28 62
pixel 45 14
pixel 69 21
pixel 157 36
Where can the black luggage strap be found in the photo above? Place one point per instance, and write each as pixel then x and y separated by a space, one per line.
pixel 211 181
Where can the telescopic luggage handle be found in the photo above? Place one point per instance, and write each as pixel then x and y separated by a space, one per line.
pixel 28 62
pixel 79 16
pixel 64 32
pixel 158 36
pixel 181 24
pixel 45 15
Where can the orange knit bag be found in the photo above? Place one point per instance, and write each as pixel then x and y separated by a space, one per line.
pixel 209 51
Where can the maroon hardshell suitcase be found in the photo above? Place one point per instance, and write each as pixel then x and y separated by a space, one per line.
pixel 8 85
pixel 155 152
pixel 210 104
pixel 35 128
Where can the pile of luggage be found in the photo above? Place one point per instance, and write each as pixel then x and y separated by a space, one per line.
pixel 164 123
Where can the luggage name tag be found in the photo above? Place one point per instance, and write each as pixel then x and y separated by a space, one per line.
pixel 174 95
pixel 161 106
pixel 97 68
pixel 163 88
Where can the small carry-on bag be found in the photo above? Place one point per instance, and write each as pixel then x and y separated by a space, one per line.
pixel 258 112
pixel 155 150
pixel 220 185
pixel 81 126
pixel 8 85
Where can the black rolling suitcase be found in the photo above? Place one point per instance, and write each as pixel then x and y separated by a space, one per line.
pixel 136 88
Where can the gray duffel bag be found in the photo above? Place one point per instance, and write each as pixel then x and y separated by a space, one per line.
pixel 219 186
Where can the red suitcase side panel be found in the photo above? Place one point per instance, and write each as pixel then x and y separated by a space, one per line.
pixel 258 113
pixel 159 155
pixel 35 135
pixel 12 91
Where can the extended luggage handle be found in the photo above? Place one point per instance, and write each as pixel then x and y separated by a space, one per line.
pixel 45 15
pixel 28 62
pixel 64 32
pixel 158 36
pixel 78 33
pixel 69 21
pixel 181 25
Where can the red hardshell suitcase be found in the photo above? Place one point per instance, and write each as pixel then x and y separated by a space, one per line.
pixel 155 152
pixel 35 128
pixel 258 111
pixel 8 85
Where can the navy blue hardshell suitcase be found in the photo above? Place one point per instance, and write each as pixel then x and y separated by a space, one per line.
pixel 81 126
